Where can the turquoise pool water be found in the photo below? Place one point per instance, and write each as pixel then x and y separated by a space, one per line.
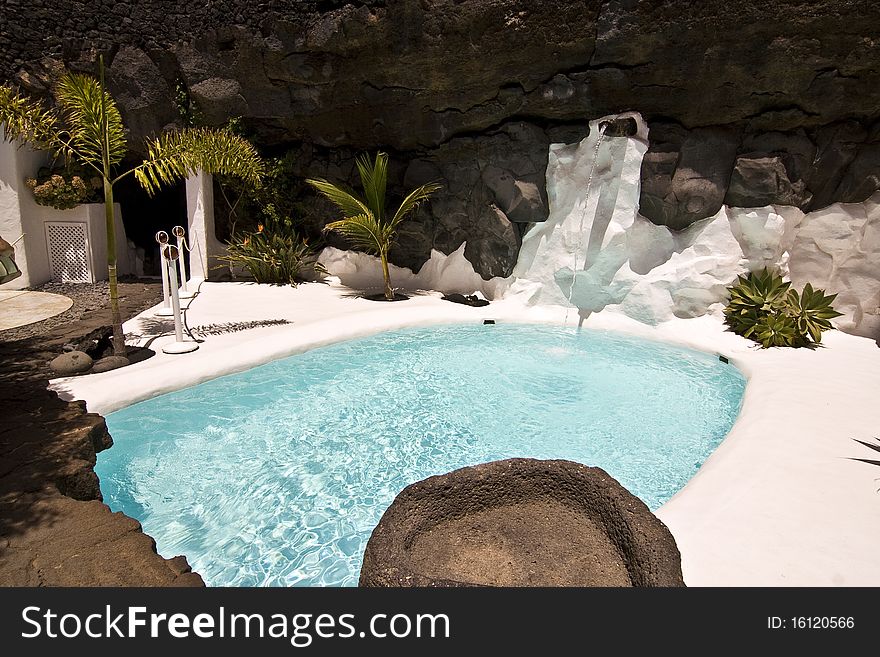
pixel 277 475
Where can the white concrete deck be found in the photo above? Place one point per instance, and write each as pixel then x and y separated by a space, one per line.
pixel 779 502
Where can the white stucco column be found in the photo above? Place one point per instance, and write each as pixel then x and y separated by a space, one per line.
pixel 18 213
pixel 200 228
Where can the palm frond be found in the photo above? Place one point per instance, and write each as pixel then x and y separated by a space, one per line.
pixel 28 120
pixel 175 155
pixel 374 178
pixel 412 201
pixel 363 231
pixel 92 119
pixel 345 200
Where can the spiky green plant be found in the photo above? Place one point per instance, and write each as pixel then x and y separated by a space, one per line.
pixel 876 448
pixel 812 311
pixel 777 330
pixel 365 222
pixel 765 309
pixel 274 253
pixel 85 126
pixel 753 297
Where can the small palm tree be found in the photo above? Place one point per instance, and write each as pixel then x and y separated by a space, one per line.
pixel 85 126
pixel 365 223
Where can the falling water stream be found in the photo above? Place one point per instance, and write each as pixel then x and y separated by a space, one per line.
pixel 602 128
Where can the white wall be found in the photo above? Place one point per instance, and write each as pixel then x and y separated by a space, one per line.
pixel 93 215
pixel 20 214
pixel 200 229
pixel 17 212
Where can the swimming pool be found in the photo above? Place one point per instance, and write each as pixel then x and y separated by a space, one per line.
pixel 278 475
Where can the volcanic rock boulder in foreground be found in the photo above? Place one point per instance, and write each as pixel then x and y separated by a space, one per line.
pixel 520 522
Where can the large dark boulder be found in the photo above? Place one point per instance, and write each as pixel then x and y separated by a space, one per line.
pixel 141 89
pixel 862 177
pixel 836 148
pixel 520 522
pixel 760 179
pixel 686 174
pixel 490 184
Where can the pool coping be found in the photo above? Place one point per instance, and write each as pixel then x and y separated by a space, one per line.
pixel 779 502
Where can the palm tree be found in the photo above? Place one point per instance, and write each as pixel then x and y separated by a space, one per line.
pixel 365 223
pixel 85 126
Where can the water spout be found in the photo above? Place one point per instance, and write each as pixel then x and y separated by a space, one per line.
pixel 602 129
pixel 593 188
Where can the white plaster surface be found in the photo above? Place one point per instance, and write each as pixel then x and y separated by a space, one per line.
pixel 442 273
pixel 624 262
pixel 779 502
pixel 92 214
pixel 202 240
pixel 20 215
pixel 17 208
pixel 838 248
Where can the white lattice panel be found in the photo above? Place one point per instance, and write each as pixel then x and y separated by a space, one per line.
pixel 69 255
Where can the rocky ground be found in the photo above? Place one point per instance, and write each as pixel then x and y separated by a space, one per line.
pixel 87 298
pixel 54 529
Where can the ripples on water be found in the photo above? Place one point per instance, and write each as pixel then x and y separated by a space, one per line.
pixel 277 475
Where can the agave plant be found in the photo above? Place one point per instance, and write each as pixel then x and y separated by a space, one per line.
pixel 274 253
pixel 85 127
pixel 876 448
pixel 776 330
pixel 812 311
pixel 753 297
pixel 365 222
pixel 764 308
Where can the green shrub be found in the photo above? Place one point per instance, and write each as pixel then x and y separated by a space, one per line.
pixel 240 206
pixel 765 309
pixel 274 253
pixel 63 189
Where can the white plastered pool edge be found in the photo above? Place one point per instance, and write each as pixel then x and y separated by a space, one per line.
pixel 780 502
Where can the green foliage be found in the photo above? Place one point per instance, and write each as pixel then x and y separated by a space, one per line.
pixel 753 297
pixel 172 156
pixel 28 120
pixel 765 309
pixel 274 253
pixel 776 330
pixel 364 222
pixel 241 205
pixel 95 134
pixel 812 311
pixel 189 111
pixel 64 188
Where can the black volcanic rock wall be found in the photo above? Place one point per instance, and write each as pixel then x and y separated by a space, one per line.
pixel 749 102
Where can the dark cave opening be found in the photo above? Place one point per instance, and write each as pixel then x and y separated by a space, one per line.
pixel 143 215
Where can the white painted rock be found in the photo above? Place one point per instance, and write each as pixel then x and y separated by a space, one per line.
pixel 838 249
pixel 589 234
pixel 600 253
pixel 449 274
